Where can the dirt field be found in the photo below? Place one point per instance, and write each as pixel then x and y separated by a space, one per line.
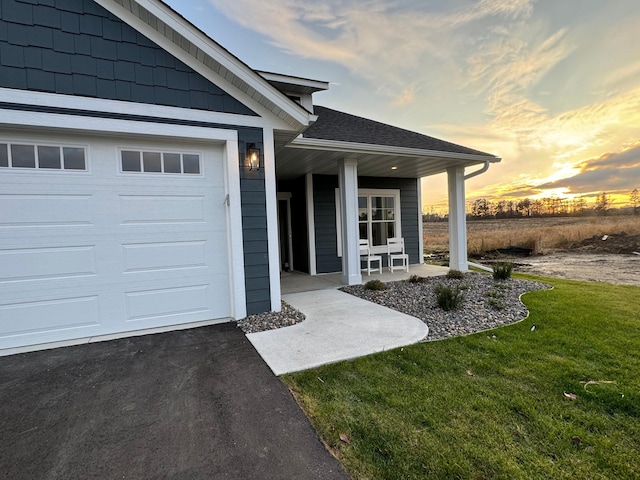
pixel 623 269
pixel 593 248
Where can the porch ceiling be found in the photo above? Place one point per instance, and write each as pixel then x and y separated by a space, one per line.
pixel 301 157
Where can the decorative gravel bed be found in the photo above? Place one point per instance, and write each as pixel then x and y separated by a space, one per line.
pixel 487 303
pixel 260 322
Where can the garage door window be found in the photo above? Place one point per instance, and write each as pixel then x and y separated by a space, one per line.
pixel 159 162
pixel 42 157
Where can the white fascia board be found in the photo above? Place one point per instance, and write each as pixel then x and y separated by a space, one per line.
pixel 317 85
pixel 352 147
pixel 236 69
pixel 55 100
pixel 78 123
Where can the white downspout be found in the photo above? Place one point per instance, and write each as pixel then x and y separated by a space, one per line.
pixel 480 171
pixel 484 168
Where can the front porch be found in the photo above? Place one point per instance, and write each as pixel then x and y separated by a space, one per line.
pixel 295 282
pixel 347 179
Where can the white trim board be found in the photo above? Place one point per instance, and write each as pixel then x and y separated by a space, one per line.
pixel 78 123
pixel 311 225
pixel 54 100
pixel 272 219
pixel 351 147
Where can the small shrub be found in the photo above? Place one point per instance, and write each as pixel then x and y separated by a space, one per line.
pixel 502 270
pixel 455 274
pixel 375 285
pixel 448 298
pixel 415 279
pixel 496 304
pixel 494 294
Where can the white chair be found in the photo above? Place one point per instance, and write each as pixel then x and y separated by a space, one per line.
pixel 395 252
pixel 365 254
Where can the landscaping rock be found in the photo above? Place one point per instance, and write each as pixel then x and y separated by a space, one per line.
pixel 261 322
pixel 487 303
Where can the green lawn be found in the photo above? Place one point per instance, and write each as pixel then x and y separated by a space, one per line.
pixel 492 405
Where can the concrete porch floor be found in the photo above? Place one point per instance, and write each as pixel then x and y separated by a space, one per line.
pixel 338 326
pixel 294 282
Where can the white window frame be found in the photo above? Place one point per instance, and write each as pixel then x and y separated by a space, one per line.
pixel 371 192
pixel 141 151
pixel 46 171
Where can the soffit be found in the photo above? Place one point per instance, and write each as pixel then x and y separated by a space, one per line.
pixel 292 162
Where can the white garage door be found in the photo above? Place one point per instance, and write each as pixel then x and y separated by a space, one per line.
pixel 102 236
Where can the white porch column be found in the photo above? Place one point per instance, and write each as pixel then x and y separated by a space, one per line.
pixel 272 219
pixel 348 183
pixel 457 220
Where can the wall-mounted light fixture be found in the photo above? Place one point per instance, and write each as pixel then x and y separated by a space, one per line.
pixel 252 157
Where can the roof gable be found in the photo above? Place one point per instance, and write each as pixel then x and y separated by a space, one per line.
pixel 174 33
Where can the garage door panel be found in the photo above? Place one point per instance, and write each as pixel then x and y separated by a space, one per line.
pixel 50 320
pixel 166 303
pixel 146 209
pixel 30 210
pixel 21 264
pixel 146 257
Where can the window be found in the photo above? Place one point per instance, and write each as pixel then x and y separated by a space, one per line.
pixel 378 217
pixel 42 157
pixel 159 162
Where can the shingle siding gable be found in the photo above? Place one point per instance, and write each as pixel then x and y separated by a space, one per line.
pixel 76 47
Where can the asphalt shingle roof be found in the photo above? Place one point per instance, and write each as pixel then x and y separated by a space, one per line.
pixel 344 127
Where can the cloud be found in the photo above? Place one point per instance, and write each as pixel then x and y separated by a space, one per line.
pixel 406 97
pixel 496 75
pixel 389 42
pixel 613 172
pixel 622 74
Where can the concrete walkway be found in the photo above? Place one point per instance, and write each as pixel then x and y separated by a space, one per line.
pixel 338 327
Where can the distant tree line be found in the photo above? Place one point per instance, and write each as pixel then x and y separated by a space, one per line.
pixel 544 207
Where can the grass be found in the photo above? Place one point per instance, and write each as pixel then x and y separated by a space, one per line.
pixel 492 405
pixel 539 234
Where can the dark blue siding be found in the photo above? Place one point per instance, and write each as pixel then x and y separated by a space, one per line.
pixel 324 206
pixel 254 227
pixel 324 186
pixel 76 47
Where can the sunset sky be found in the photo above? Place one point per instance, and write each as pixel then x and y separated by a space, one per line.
pixel 550 86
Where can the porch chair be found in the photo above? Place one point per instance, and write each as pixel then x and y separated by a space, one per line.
pixel 365 255
pixel 395 251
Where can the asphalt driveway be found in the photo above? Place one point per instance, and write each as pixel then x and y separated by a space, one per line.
pixel 192 404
